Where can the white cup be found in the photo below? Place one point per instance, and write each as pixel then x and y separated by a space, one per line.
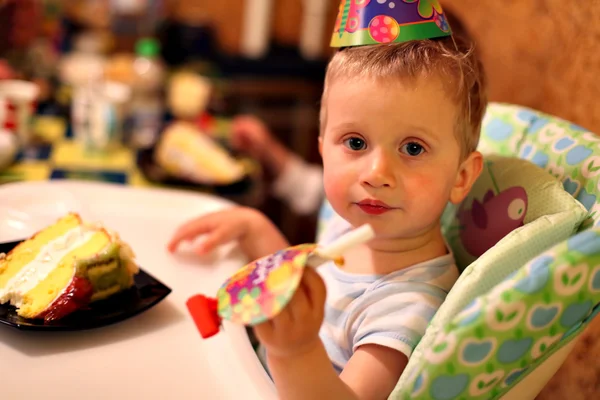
pixel 19 103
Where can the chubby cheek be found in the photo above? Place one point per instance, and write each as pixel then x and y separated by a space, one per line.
pixel 429 194
pixel 336 187
pixel 338 176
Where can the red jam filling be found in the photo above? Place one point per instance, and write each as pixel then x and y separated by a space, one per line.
pixel 77 296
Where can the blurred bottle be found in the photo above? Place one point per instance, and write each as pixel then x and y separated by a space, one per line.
pixel 147 107
pixel 94 117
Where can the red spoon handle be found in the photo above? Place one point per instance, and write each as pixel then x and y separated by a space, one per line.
pixel 204 313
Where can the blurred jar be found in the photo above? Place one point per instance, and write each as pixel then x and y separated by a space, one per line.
pixel 147 106
pixel 83 66
pixel 83 71
pixel 98 116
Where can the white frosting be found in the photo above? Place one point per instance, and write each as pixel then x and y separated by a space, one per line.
pixel 43 264
pixel 186 164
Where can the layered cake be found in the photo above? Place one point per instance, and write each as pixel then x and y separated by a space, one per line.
pixel 63 268
pixel 186 152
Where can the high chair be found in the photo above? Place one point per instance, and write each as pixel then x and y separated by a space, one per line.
pixel 507 326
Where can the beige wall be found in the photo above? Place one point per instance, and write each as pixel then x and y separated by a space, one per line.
pixel 540 53
pixel 226 15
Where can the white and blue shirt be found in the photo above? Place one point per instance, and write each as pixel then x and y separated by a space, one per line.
pixel 390 310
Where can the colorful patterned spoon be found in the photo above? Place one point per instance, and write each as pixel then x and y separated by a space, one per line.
pixel 262 288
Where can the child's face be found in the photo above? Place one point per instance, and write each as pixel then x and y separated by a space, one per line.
pixel 391 157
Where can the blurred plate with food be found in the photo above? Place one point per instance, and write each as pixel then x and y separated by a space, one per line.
pixel 187 157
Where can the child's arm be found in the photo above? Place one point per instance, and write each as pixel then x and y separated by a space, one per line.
pixel 299 364
pixel 250 134
pixel 297 182
pixel 371 373
pixel 300 184
pixel 255 233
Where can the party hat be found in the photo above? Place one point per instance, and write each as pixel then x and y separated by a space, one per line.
pixel 364 22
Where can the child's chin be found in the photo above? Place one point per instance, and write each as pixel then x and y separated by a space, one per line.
pixel 381 226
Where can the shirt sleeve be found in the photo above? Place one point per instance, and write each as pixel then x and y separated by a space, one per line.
pixel 395 316
pixel 300 185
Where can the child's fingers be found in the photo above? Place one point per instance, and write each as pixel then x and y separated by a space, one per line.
pixel 316 289
pixel 283 321
pixel 214 239
pixel 300 306
pixel 264 332
pixel 189 231
pixel 237 133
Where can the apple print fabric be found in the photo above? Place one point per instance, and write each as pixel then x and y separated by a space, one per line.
pixel 501 336
pixel 566 151
pixel 511 198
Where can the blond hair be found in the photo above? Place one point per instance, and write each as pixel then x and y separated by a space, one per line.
pixel 452 59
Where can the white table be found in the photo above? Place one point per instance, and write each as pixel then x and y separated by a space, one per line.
pixel 156 355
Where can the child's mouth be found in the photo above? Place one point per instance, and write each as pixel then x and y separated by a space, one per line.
pixel 374 207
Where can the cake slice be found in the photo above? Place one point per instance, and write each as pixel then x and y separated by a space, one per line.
pixel 63 268
pixel 186 152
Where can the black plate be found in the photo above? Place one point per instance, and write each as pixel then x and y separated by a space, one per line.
pixel 5 247
pixel 146 293
pixel 156 174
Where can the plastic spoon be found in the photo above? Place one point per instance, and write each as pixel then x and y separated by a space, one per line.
pixel 261 289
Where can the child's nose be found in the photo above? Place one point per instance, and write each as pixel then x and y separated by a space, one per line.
pixel 379 172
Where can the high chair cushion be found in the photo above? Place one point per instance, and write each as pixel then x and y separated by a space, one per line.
pixel 507 197
pixel 504 128
pixel 504 334
pixel 565 150
pixel 569 153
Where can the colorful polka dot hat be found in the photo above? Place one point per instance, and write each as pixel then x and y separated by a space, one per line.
pixel 364 22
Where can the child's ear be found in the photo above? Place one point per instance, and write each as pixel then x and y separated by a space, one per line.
pixel 467 175
pixel 321 145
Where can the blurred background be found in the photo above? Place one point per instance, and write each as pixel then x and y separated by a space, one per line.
pixel 90 87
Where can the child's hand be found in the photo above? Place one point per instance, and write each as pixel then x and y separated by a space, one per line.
pixel 295 330
pixel 252 135
pixel 256 235
pixel 219 227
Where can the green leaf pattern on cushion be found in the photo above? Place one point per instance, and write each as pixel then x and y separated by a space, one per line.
pixel 566 151
pixel 502 334
pixel 503 129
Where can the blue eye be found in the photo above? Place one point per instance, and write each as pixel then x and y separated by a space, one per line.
pixel 413 149
pixel 355 143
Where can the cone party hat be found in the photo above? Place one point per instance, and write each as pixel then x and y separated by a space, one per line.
pixel 364 22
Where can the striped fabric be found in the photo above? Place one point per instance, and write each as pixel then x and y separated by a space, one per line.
pixel 392 310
